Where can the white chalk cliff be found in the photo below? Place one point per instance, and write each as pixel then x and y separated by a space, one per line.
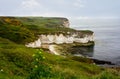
pixel 50 41
pixel 60 39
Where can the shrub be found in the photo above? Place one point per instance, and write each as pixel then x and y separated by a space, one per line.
pixel 16 33
pixel 40 68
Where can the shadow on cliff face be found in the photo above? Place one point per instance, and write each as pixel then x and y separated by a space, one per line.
pixel 82 51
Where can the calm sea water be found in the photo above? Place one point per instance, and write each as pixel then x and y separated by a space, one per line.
pixel 107 42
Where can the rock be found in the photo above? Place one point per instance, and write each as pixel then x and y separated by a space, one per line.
pixel 35 44
pixel 60 39
pixel 52 49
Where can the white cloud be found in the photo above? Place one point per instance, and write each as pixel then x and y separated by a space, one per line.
pixel 43 8
pixel 61 2
pixel 39 8
pixel 28 8
pixel 79 3
pixel 30 4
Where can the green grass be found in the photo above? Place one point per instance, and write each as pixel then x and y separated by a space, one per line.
pixel 16 33
pixel 86 31
pixel 15 61
pixel 43 21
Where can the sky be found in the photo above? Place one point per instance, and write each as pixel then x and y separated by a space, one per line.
pixel 79 12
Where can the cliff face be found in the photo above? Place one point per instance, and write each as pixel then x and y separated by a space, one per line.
pixel 65 22
pixel 47 30
pixel 61 39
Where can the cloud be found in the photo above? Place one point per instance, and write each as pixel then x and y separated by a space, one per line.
pixel 60 2
pixel 30 4
pixel 64 8
pixel 41 8
pixel 72 3
pixel 28 8
pixel 79 3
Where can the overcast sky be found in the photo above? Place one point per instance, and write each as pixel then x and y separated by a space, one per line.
pixel 81 12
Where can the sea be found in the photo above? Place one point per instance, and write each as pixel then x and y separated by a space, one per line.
pixel 107 43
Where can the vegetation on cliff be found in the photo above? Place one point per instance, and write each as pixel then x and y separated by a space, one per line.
pixel 28 28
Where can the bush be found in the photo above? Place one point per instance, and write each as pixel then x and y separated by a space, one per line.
pixel 16 33
pixel 40 68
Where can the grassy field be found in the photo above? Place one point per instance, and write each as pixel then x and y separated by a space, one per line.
pixel 16 63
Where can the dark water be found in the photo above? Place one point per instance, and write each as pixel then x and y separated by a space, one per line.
pixel 107 43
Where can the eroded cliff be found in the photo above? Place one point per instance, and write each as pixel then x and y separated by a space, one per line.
pixel 41 32
pixel 76 37
pixel 70 37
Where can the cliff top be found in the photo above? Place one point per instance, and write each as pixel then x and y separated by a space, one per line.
pixel 38 21
pixel 28 28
